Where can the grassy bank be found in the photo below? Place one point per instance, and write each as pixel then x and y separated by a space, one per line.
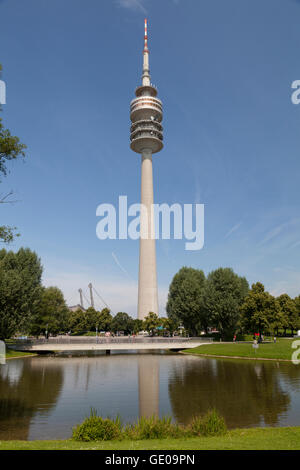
pixel 11 354
pixel 238 439
pixel 281 350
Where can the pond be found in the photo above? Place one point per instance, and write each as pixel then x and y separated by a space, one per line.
pixel 44 397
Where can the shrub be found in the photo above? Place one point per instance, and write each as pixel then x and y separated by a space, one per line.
pixel 96 428
pixel 211 424
pixel 153 428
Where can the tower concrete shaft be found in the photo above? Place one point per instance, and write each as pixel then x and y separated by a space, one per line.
pixel 147 293
pixel 146 138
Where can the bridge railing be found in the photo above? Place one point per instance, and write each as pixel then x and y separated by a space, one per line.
pixel 110 340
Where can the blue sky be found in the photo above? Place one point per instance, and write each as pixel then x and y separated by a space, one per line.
pixel 224 71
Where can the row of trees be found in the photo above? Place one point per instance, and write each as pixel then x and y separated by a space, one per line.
pixel 28 307
pixel 91 320
pixel 262 312
pixel 224 301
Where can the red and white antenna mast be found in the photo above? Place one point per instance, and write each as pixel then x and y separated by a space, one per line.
pixel 146 71
pixel 146 37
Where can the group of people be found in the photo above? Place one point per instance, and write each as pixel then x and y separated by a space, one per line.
pixel 256 341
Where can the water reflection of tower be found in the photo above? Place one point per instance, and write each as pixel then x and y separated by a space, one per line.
pixel 148 374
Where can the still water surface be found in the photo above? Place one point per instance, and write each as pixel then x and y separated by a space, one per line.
pixel 44 397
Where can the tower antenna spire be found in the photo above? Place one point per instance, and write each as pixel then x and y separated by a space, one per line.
pixel 146 37
pixel 146 71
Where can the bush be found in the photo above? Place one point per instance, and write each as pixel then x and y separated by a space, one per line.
pixel 153 428
pixel 212 424
pixel 96 428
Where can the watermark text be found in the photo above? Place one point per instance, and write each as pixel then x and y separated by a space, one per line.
pixel 155 221
pixel 2 92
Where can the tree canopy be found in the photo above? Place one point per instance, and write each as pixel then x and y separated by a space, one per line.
pixel 151 322
pixel 223 295
pixel 185 299
pixel 20 289
pixel 288 311
pixel 10 149
pixel 51 313
pixel 122 322
pixel 259 310
pixel 90 320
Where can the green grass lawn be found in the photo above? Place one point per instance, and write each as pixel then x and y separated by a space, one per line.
pixel 10 354
pixel 238 439
pixel 280 350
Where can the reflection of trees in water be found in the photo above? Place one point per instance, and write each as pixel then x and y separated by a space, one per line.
pixel 244 393
pixel 35 389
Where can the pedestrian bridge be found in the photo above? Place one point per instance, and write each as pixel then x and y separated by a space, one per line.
pixel 90 343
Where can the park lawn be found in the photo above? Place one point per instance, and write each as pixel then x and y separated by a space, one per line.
pixel 238 439
pixel 281 350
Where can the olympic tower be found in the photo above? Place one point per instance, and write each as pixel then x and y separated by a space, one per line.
pixel 146 138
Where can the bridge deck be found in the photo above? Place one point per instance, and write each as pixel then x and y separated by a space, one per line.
pixel 89 344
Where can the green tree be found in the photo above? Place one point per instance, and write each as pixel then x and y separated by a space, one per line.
pixel 223 295
pixel 76 321
pixel 10 149
pixel 104 320
pixel 276 318
pixel 170 325
pixel 297 305
pixel 20 290
pixel 289 311
pixel 185 300
pixel 137 325
pixel 150 323
pixel 88 320
pixel 122 322
pixel 51 313
pixel 259 310
pixel 7 234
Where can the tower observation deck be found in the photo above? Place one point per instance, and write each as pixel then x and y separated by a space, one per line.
pixel 146 138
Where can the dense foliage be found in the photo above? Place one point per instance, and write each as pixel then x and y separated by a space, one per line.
pixel 261 312
pixel 20 290
pixel 185 299
pixel 10 149
pixel 222 302
pixel 122 322
pixel 51 315
pixel 223 295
